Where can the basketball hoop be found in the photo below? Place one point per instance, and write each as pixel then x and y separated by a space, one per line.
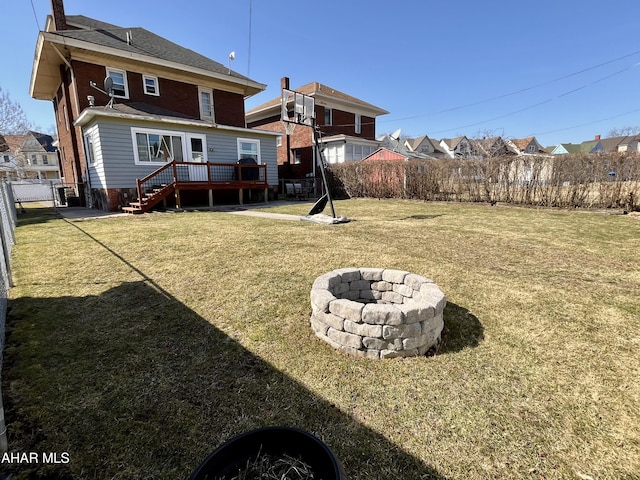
pixel 289 127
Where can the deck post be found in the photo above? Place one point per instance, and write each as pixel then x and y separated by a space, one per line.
pixel 266 195
pixel 241 196
pixel 178 198
pixel 210 197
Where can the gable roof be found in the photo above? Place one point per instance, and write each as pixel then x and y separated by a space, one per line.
pixel 13 142
pixel 612 144
pixel 452 143
pixel 321 92
pixel 386 154
pixel 135 44
pixel 30 141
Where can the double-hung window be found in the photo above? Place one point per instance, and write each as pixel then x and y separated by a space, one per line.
pixel 249 149
pixel 150 85
pixel 157 146
pixel 90 152
pixel 205 96
pixel 328 116
pixel 120 85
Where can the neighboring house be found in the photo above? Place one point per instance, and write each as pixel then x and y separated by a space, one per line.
pixel 347 126
pixel 383 153
pixel 173 118
pixel 589 146
pixel 629 143
pixel 528 146
pixel 491 147
pixel 425 145
pixel 457 147
pixel 30 156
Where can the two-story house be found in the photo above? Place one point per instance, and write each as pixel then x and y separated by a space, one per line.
pixel 171 124
pixel 347 125
pixel 528 146
pixel 458 147
pixel 31 156
pixel 425 145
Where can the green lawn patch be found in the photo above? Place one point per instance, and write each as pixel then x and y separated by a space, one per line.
pixel 139 344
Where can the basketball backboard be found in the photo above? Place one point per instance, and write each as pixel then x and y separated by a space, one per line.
pixel 302 107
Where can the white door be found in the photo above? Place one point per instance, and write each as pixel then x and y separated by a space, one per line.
pixel 197 153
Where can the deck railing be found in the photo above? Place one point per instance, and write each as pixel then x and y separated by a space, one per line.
pixel 203 176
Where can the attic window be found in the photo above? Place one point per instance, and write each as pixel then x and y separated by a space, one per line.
pixel 150 85
pixel 531 148
pixel 120 86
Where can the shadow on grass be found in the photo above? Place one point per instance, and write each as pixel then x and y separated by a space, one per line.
pixel 419 217
pixel 462 329
pixel 34 215
pixel 133 384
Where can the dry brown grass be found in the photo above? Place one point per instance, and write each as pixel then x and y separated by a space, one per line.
pixel 139 344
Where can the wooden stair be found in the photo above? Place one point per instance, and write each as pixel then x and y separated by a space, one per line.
pixel 150 199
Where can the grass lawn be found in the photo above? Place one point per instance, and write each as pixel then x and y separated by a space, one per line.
pixel 139 344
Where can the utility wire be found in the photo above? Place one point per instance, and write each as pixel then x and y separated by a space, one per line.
pixel 250 22
pixel 542 102
pixel 522 90
pixel 588 123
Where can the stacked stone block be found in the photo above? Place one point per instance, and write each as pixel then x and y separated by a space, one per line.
pixel 376 312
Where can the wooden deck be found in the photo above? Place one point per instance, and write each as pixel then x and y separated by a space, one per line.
pixel 176 176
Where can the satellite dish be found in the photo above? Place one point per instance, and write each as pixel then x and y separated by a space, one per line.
pixel 108 85
pixel 232 56
pixel 396 135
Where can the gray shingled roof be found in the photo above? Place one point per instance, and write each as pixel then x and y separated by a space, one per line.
pixel 143 42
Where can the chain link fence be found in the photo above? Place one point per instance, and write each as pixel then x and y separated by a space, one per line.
pixel 8 218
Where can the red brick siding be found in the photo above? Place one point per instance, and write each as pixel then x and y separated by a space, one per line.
pixel 69 141
pixel 175 96
pixel 228 108
pixel 345 123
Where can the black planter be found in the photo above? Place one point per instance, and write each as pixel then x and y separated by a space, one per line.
pixel 234 454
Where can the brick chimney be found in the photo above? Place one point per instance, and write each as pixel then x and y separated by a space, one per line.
pixel 59 18
pixel 597 137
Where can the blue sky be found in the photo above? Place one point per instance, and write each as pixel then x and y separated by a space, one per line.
pixel 561 70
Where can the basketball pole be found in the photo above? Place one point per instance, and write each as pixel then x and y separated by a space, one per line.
pixel 322 201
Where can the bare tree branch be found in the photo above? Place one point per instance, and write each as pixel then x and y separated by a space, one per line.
pixel 12 118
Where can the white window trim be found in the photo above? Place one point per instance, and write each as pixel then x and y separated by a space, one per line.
pixel 156 83
pixel 89 151
pixel 124 77
pixel 134 145
pixel 250 140
pixel 200 136
pixel 204 117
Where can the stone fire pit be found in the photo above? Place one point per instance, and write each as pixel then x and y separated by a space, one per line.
pixel 376 312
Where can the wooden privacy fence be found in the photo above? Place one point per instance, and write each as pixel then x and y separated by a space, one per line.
pixel 579 180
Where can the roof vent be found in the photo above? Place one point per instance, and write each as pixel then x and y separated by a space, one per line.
pixel 129 37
